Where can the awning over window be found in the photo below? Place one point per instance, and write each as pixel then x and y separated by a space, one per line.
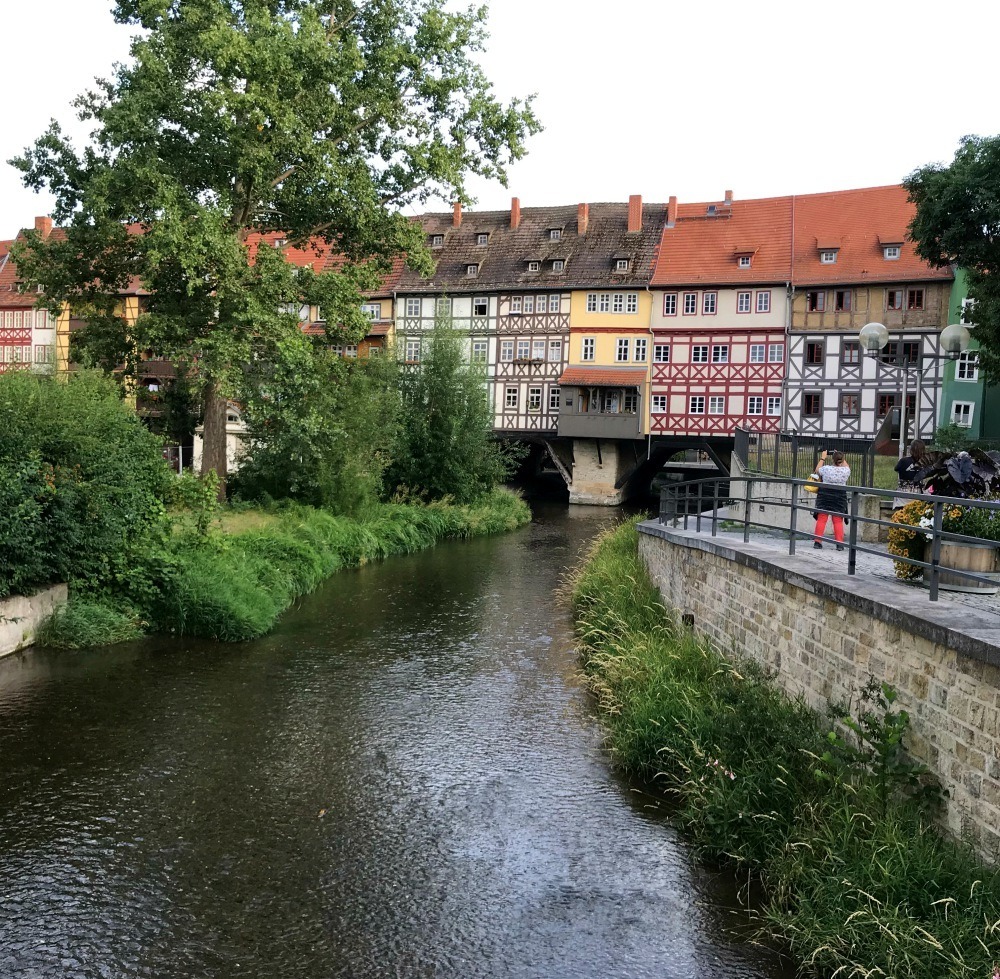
pixel 603 376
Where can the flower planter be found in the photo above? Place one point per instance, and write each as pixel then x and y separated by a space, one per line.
pixel 982 559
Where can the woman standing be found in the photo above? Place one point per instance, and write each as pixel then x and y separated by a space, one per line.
pixel 831 497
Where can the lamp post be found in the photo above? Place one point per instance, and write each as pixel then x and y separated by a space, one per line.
pixel 874 336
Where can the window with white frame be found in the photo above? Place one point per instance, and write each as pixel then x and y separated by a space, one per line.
pixel 480 306
pixel 961 413
pixel 558 265
pixel 891 253
pixel 670 304
pixel 412 351
pixel 621 352
pixel 533 266
pixel 555 351
pixel 709 302
pixel 720 353
pixel 443 306
pixel 696 404
pixel 479 351
pixel 640 350
pixel 618 303
pixel 631 302
pixel 967 311
pixel 774 406
pixel 482 238
pixel 659 404
pixel 372 310
pixel 690 303
pixel 515 304
pixel 775 353
pixel 758 353
pixel 591 302
pixel 506 351
pixel 351 351
pixel 764 301
pixel 716 404
pixel 744 261
pixel 555 234
pixel 661 353
pixel 437 241
pixel 743 302
pixel 828 257
pixel 538 349
pixel 412 307
pixel 755 405
pixel 967 366
pixel 534 399
pixel 528 304
pixel 587 351
pixel 699 353
pixel 621 265
pixel 553 399
pixel 523 349
pixel 554 303
pixel 510 397
pixel 472 269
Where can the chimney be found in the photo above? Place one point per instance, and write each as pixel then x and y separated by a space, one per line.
pixel 515 213
pixel 43 226
pixel 456 218
pixel 634 213
pixel 582 218
pixel 729 198
pixel 671 212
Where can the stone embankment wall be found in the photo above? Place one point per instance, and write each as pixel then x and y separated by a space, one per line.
pixel 21 615
pixel 823 633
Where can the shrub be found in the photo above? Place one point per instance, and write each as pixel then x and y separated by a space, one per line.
pixel 84 622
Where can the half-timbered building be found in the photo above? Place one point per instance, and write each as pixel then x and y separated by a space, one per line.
pixel 27 334
pixel 852 265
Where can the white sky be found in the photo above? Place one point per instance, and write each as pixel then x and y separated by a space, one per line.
pixel 651 97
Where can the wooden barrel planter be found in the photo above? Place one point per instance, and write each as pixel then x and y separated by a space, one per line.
pixel 982 559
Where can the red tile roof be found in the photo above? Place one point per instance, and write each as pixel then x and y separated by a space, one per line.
pixel 603 376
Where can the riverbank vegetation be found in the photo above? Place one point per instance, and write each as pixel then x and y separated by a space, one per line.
pixel 832 817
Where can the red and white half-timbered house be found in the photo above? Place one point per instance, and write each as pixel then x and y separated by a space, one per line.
pixel 720 307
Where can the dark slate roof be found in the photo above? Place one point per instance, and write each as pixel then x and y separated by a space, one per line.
pixel 503 262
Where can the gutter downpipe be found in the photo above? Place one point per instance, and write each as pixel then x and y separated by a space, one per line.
pixel 649 353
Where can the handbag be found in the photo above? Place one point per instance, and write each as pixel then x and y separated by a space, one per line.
pixel 812 483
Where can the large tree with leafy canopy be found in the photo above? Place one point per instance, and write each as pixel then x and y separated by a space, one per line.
pixel 321 119
pixel 958 222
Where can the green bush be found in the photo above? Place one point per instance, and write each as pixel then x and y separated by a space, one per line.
pixel 82 623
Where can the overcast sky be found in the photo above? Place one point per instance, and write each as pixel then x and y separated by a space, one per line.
pixel 650 97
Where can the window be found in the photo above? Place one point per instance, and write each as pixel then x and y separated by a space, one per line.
pixel 893 298
pixel 850 405
pixel 828 257
pixel 631 302
pixel 280 242
pixel 443 307
pixel 479 349
pixel 472 269
pixel 538 349
pixel 690 303
pixel 914 298
pixel 515 305
pixel 709 303
pixel 412 307
pixel 764 302
pixel 437 241
pixel 842 300
pixel 850 352
pixel 555 351
pixel 553 303
pixel 351 350
pixel 604 302
pixel 529 304
pixel 743 302
pixel 523 349
pixel 696 404
pixel 659 404
pixel 621 265
pixel 661 353
pixel 744 261
pixel 621 352
pixel 961 413
pixel 618 303
pixel 630 401
pixel 372 310
pixel 482 238
pixel 591 302
pixel 967 311
pixel 886 402
pixel 413 351
pixel 670 304
pixel 815 301
pixel 890 252
pixel 717 404
pixel 588 349
pixel 699 353
pixel 533 266
pixel 480 307
pixel 774 406
pixel 967 366
pixel 506 351
pixel 510 397
pixel 640 350
pixel 755 405
pixel 720 353
pixel 553 399
pixel 812 404
pixel 910 350
pixel 775 353
pixel 757 353
pixel 555 234
pixel 534 399
pixel 558 265
pixel 814 352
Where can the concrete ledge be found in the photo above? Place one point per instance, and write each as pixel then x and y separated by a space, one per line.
pixel 963 629
pixel 21 615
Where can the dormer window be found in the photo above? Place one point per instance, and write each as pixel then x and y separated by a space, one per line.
pixel 534 266
pixel 744 261
pixel 437 241
pixel 558 265
pixel 472 269
pixel 280 242
pixel 621 264
pixel 828 257
pixel 482 238
pixel 555 234
pixel 891 253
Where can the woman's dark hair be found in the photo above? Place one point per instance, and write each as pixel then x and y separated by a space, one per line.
pixel 838 457
pixel 917 450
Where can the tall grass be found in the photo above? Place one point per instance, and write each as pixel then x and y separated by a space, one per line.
pixel 84 622
pixel 854 888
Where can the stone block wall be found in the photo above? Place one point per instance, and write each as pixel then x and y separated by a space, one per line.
pixel 823 633
pixel 20 616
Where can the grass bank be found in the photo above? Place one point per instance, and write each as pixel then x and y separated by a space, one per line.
pixel 233 585
pixel 858 882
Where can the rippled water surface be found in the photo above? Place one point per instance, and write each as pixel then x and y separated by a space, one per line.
pixel 405 779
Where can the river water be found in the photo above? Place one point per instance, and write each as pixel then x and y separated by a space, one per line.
pixel 406 779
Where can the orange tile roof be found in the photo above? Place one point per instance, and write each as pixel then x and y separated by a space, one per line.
pixel 603 376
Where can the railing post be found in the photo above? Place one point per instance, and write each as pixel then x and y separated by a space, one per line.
pixel 697 519
pixel 746 511
pixel 935 548
pixel 687 502
pixel 715 506
pixel 852 534
pixel 794 520
pixel 777 449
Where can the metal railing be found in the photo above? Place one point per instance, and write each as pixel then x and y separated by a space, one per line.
pixel 790 454
pixel 700 502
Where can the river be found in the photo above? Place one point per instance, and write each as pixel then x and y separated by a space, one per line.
pixel 405 779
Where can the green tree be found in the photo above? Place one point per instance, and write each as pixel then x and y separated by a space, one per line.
pixel 320 119
pixel 958 222
pixel 446 445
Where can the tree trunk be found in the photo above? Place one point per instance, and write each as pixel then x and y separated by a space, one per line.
pixel 213 454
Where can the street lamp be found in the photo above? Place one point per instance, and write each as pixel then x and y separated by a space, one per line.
pixel 874 336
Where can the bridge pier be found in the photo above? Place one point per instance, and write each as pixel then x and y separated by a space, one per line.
pixel 598 469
